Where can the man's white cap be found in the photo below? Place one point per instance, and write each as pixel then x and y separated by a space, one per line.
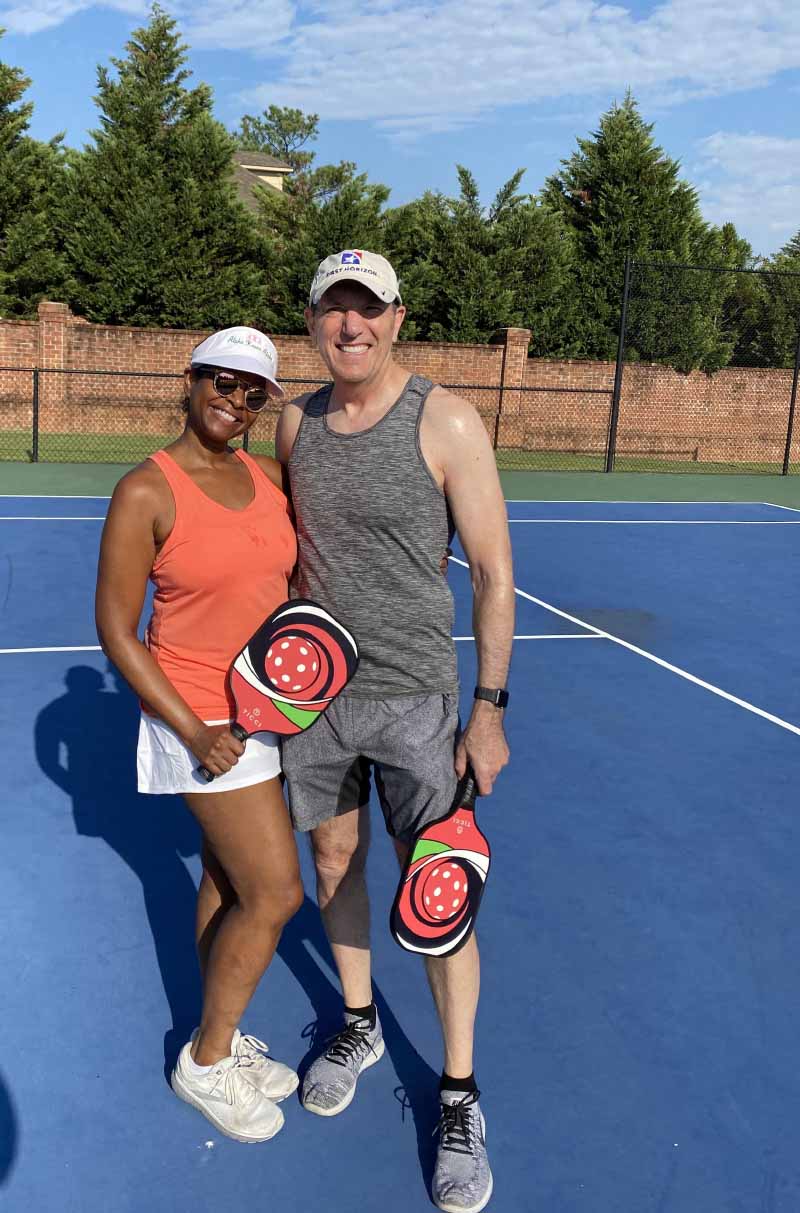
pixel 240 349
pixel 356 265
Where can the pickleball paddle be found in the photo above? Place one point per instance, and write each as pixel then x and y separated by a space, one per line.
pixel 289 671
pixel 442 881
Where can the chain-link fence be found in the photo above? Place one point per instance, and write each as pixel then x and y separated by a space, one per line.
pixel 705 380
pixel 707 375
pixel 82 416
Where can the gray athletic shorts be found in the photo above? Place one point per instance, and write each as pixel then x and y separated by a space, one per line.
pixel 409 742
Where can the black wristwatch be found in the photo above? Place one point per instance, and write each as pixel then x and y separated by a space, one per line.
pixel 498 697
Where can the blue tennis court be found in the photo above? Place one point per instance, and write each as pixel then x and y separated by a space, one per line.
pixel 637 1035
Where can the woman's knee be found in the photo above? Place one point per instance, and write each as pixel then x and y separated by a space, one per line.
pixel 272 902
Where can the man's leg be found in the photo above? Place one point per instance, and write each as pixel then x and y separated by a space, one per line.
pixel 340 853
pixel 455 985
pixel 340 848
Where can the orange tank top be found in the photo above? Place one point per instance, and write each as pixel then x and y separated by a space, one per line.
pixel 217 577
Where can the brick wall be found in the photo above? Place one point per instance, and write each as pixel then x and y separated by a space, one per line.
pixel 734 414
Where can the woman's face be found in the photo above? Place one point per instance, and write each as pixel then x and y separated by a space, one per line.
pixel 221 415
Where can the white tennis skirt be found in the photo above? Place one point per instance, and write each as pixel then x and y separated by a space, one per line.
pixel 165 764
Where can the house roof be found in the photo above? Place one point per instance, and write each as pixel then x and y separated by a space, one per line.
pixel 258 160
pixel 248 168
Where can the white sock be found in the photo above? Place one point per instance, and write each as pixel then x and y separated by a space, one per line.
pixel 194 1069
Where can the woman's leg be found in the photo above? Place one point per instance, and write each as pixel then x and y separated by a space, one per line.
pixel 249 833
pixel 214 898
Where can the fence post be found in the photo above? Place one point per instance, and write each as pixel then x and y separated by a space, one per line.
pixel 515 344
pixel 787 454
pixel 611 449
pixel 35 419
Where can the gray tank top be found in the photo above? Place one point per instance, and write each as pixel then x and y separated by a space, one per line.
pixel 372 526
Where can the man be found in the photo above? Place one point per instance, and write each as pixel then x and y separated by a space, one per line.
pixel 379 463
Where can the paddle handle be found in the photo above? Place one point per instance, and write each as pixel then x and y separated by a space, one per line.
pixel 240 734
pixel 468 791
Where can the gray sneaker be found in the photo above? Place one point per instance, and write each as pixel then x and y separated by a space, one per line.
pixel 330 1083
pixel 462 1180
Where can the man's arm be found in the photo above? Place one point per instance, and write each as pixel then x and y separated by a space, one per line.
pixel 457 449
pixel 288 426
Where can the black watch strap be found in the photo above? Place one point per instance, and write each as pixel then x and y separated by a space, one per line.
pixel 498 697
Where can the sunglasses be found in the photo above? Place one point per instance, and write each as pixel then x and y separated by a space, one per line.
pixel 225 384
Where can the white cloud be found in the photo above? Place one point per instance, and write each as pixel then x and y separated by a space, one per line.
pixel 417 66
pixel 753 180
pixel 38 15
pixel 456 59
pixel 254 25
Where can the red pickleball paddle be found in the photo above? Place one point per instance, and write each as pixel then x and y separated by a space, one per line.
pixel 442 881
pixel 289 671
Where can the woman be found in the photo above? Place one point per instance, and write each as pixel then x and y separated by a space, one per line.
pixel 210 527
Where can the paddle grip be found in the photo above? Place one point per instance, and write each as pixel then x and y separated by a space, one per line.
pixel 241 735
pixel 468 789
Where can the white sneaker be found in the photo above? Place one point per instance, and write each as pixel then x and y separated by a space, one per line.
pixel 227 1099
pixel 272 1078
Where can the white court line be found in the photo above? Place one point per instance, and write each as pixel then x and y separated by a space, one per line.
pixel 95 648
pixel 64 648
pixel 774 506
pixel 614 501
pixel 652 522
pixel 58 496
pixel 549 636
pixel 673 669
pixel 52 518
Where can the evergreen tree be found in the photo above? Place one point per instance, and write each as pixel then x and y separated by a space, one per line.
pixel 153 230
pixel 300 230
pixel 321 209
pixel 467 271
pixel 30 265
pixel 281 132
pixel 621 194
pixel 777 320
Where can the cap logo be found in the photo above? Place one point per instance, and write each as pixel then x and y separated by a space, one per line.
pixel 353 257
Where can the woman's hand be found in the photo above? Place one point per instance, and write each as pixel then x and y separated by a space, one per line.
pixel 216 748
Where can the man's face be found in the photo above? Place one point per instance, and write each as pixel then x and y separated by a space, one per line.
pixel 354 331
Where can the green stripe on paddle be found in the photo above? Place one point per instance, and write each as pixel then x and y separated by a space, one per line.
pixel 298 716
pixel 426 846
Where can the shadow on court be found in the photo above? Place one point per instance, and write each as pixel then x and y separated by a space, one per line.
pixel 86 742
pixel 419 1084
pixel 8 1133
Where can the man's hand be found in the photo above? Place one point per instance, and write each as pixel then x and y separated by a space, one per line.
pixel 483 745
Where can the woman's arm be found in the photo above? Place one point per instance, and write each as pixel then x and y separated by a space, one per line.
pixel 127 552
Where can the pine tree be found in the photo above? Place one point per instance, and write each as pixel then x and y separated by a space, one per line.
pixel 153 230
pixel 778 320
pixel 467 271
pixel 30 265
pixel 621 194
pixel 300 230
pixel 282 132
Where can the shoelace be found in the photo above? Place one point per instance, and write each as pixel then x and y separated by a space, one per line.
pixel 455 1124
pixel 236 1087
pixel 350 1043
pixel 252 1050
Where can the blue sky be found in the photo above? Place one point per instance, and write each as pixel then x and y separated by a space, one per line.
pixel 408 88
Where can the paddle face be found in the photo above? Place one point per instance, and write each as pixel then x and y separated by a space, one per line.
pixel 442 881
pixel 289 671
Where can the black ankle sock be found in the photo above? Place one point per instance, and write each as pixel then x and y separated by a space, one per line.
pixel 369 1013
pixel 467 1085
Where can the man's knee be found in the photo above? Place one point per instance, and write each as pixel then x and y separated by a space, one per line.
pixel 339 852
